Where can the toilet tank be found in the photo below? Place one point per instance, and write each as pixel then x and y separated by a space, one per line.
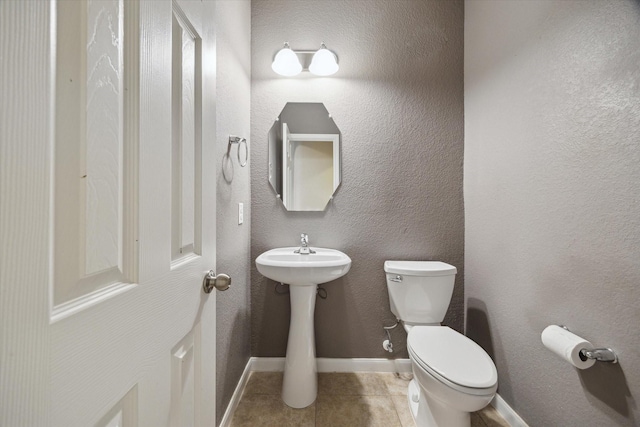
pixel 419 291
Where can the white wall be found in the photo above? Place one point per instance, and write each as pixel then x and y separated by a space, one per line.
pixel 233 31
pixel 552 200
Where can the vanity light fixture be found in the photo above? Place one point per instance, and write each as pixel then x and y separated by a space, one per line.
pixel 289 62
pixel 286 62
pixel 324 62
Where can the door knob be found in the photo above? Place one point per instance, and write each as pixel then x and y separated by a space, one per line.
pixel 221 282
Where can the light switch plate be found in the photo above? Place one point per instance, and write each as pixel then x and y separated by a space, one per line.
pixel 240 213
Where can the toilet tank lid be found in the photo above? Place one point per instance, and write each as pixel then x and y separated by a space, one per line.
pixel 419 268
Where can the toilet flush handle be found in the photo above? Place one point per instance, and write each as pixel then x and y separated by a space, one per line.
pixel 397 279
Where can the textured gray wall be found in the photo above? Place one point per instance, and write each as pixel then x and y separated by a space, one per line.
pixel 552 200
pixel 233 32
pixel 398 101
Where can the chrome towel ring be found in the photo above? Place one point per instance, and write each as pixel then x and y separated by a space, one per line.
pixel 239 140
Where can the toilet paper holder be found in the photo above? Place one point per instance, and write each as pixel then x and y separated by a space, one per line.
pixel 597 354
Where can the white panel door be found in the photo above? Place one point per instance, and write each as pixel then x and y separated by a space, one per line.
pixel 107 213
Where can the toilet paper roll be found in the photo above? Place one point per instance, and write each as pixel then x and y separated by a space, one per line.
pixel 567 345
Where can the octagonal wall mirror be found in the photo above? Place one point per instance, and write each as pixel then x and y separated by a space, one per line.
pixel 304 156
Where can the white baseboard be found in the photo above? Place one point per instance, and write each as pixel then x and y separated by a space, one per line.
pixel 237 394
pixel 364 365
pixel 507 412
pixel 267 364
pixel 276 364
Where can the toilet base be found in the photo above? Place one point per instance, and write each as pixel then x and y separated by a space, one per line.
pixel 431 412
pixel 413 397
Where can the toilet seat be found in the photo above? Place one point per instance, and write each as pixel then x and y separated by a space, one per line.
pixel 453 359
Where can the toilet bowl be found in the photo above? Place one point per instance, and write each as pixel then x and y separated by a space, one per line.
pixel 453 376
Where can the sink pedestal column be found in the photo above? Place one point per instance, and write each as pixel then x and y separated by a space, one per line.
pixel 300 383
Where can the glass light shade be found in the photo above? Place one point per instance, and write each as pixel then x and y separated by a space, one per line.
pixel 286 63
pixel 324 63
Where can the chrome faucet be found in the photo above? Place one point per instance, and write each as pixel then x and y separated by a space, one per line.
pixel 304 248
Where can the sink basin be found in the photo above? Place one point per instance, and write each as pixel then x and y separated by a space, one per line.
pixel 283 265
pixel 302 273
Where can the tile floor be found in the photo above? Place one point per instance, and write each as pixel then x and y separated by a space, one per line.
pixel 344 399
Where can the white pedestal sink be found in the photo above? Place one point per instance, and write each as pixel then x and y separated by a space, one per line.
pixel 302 273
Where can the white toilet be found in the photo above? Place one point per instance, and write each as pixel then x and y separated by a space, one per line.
pixel 452 375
